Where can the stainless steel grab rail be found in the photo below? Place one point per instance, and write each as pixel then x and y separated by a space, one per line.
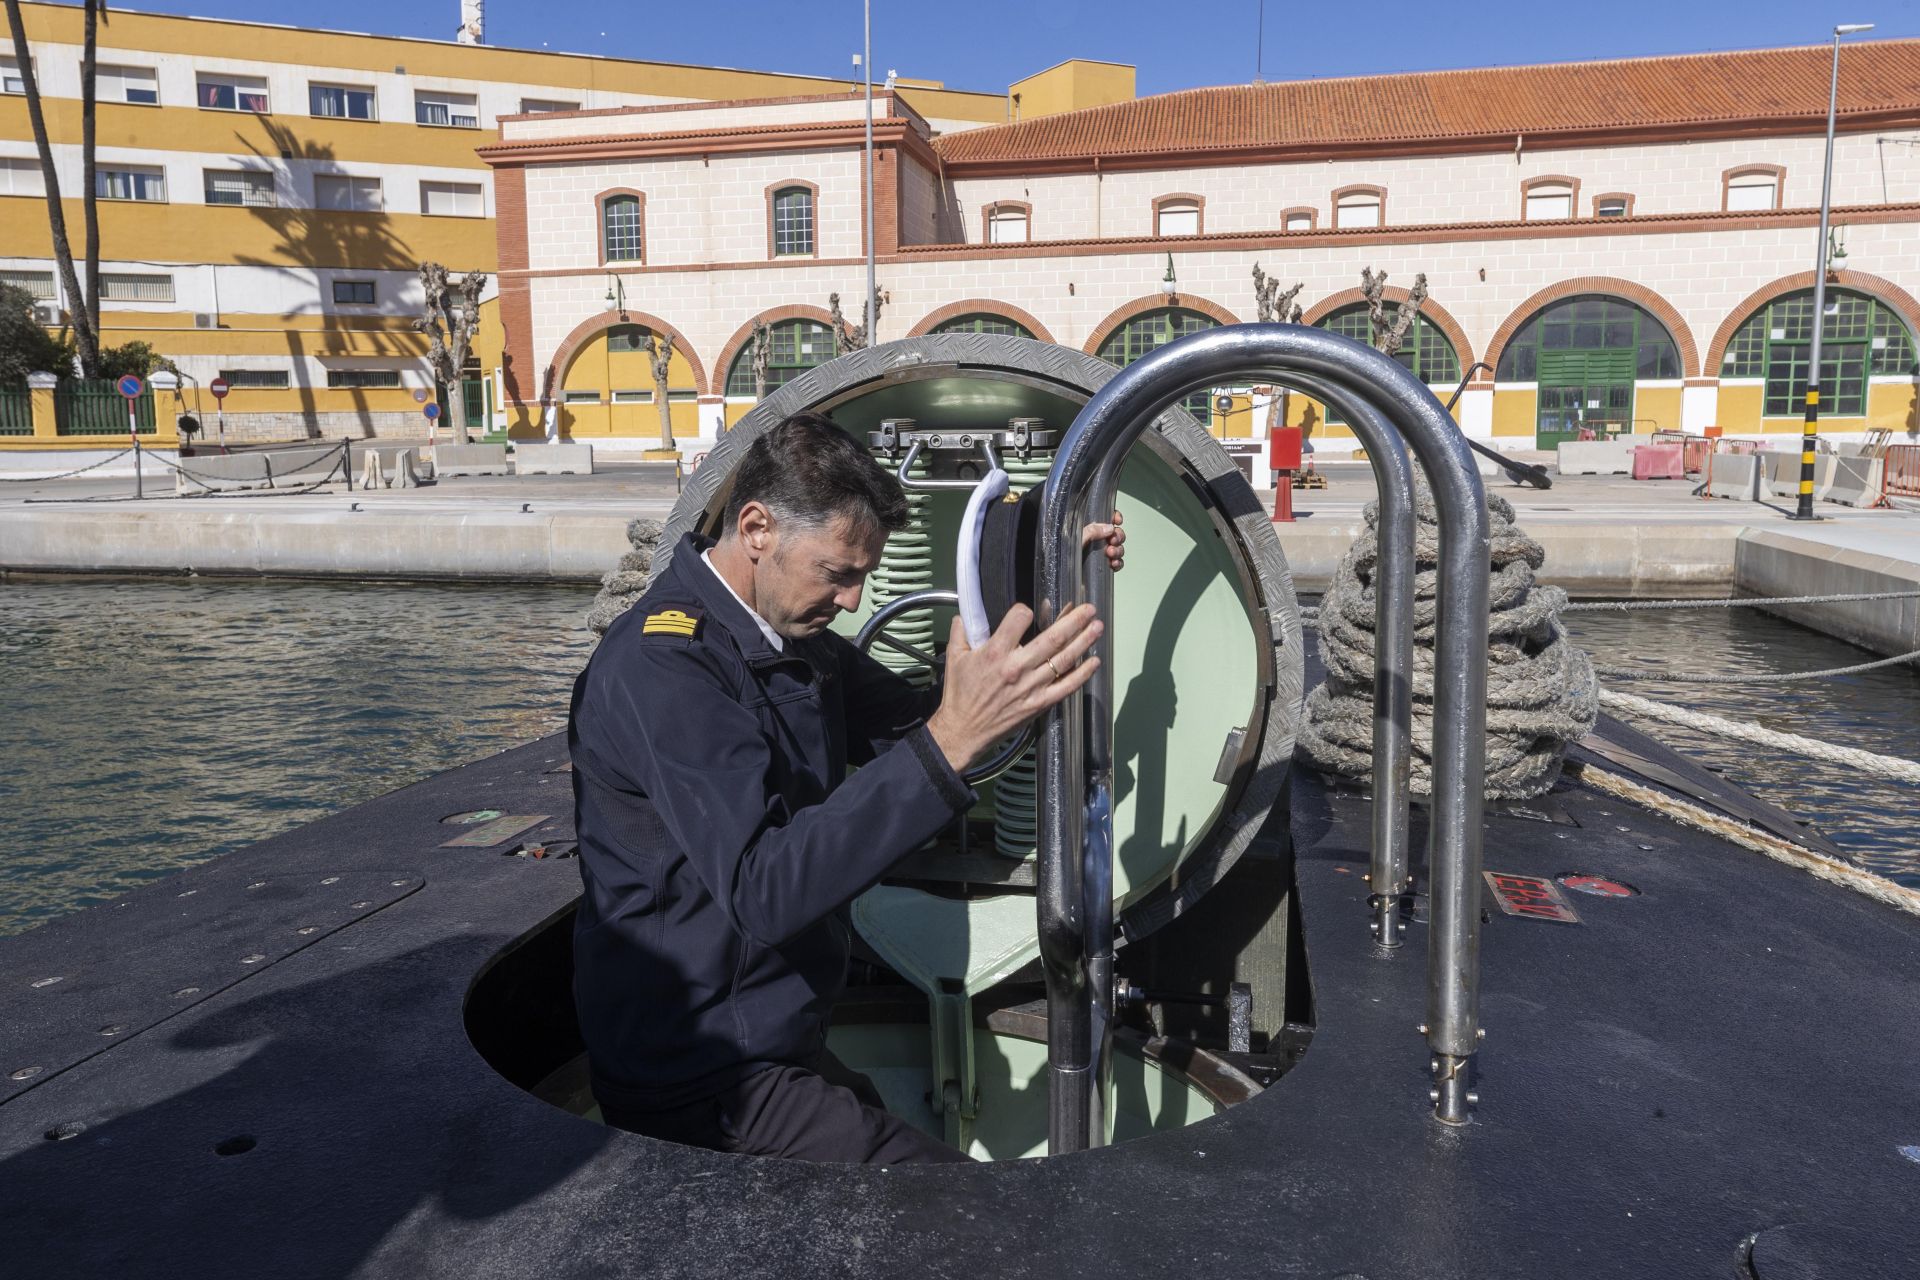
pixel 1394 528
pixel 1076 773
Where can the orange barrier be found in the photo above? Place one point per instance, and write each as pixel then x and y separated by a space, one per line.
pixel 1903 470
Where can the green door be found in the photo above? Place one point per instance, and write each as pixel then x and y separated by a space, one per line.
pixel 1590 389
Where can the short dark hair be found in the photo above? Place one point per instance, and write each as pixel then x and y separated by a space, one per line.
pixel 806 470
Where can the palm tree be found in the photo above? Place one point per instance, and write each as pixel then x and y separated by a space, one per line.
pixel 89 67
pixel 84 313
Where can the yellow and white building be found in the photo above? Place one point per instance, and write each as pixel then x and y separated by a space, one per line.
pixel 267 193
pixel 1619 245
pixel 1611 245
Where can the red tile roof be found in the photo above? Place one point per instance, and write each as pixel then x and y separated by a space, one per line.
pixel 1711 91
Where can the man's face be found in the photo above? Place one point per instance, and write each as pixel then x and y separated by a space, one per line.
pixel 811 576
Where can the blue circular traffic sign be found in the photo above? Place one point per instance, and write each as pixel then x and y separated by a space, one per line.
pixel 130 386
pixel 431 409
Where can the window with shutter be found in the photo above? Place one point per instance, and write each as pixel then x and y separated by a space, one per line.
pixel 240 187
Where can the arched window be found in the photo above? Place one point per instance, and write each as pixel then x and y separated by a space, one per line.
pixel 1862 338
pixel 620 237
pixel 1585 353
pixel 795 346
pixel 1548 199
pixel 1177 215
pixel 1009 222
pixel 984 322
pixel 1155 329
pixel 792 221
pixel 1360 206
pixel 1753 186
pixel 1426 352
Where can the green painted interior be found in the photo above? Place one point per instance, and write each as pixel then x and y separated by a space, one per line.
pixel 1147 1098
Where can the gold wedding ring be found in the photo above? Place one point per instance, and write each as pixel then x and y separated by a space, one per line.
pixel 1052 668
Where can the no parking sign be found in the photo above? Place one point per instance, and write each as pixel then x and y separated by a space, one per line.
pixel 132 387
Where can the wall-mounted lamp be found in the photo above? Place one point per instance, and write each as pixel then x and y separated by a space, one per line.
pixel 1836 249
pixel 1169 285
pixel 616 293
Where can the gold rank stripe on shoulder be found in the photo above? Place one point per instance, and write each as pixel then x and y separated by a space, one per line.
pixel 671 622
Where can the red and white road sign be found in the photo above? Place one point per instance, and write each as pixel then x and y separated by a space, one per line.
pixel 219 387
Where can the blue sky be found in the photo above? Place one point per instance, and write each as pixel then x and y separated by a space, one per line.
pixel 998 41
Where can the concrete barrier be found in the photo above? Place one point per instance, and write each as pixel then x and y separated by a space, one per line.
pixel 470 460
pixel 1783 474
pixel 1734 475
pixel 259 469
pixel 1595 458
pixel 221 472
pixel 553 459
pixel 1857 482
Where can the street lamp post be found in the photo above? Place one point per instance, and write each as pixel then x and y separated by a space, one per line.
pixel 1804 509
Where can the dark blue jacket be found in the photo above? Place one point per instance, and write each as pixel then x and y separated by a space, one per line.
pixel 721 839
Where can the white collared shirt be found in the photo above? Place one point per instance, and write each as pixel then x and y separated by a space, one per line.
pixel 774 638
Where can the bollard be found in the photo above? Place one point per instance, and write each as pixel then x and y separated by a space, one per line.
pixel 139 481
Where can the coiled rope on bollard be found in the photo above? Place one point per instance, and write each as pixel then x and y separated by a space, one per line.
pixel 1540 685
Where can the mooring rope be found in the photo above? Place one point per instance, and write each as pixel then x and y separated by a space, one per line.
pixel 1616 672
pixel 1867 761
pixel 1742 602
pixel 620 588
pixel 1540 686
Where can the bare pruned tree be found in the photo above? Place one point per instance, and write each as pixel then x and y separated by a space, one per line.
pixel 1390 332
pixel 762 353
pixel 660 358
pixel 451 320
pixel 853 337
pixel 1270 304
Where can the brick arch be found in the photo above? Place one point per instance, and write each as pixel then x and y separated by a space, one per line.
pixel 593 326
pixel 1638 294
pixel 1442 319
pixel 1859 281
pixel 974 306
pixel 1154 302
pixel 744 334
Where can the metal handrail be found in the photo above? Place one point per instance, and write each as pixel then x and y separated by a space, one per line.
pixel 1076 774
pixel 1393 596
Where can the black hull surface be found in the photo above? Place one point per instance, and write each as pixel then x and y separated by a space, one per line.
pixel 1729 1054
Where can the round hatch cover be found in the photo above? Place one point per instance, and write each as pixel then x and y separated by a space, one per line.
pixel 1598 886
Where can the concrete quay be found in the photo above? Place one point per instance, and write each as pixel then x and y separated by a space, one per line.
pixel 1605 536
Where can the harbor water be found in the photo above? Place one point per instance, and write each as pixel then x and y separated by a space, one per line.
pixel 151 725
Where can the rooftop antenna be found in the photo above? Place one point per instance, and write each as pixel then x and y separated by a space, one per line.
pixel 473 22
pixel 1260 45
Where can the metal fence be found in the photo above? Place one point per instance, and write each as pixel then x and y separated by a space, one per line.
pixel 1903 470
pixel 16 413
pixel 94 408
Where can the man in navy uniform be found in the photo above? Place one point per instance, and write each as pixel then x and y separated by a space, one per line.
pixel 721 838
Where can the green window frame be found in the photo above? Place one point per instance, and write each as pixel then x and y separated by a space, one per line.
pixel 984 322
pixel 1426 353
pixel 1591 323
pixel 792 221
pixel 628 337
pixel 1862 338
pixel 1155 329
pixel 794 347
pixel 620 228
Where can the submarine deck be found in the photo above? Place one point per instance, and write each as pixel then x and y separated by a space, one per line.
pixel 261 1067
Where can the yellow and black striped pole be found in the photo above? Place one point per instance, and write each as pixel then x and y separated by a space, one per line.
pixel 1804 509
